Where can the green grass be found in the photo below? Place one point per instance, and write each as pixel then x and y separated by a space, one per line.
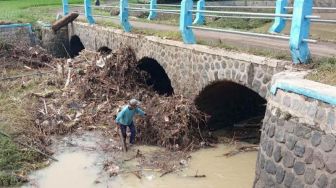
pixel 30 10
pixel 324 71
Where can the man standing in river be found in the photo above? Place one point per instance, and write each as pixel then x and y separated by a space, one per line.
pixel 125 118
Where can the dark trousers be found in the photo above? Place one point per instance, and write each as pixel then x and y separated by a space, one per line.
pixel 123 129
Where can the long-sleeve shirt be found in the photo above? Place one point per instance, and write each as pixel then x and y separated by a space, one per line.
pixel 125 116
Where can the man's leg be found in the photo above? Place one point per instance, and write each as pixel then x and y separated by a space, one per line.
pixel 133 131
pixel 123 131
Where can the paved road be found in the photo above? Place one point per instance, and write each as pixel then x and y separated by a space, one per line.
pixel 323 49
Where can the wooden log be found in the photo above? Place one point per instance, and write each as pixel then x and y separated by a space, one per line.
pixel 64 21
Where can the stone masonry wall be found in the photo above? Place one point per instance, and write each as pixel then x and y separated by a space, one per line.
pixel 16 35
pixel 189 67
pixel 297 143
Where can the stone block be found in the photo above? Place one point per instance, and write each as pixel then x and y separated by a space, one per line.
pixel 280 174
pixel 289 178
pixel 309 155
pixel 288 159
pixel 289 126
pixel 223 65
pixel 262 161
pixel 330 163
pixel 302 131
pixel 297 183
pixel 299 148
pixel 333 183
pixel 270 167
pixel 299 167
pixel 280 135
pixel 309 176
pixel 318 160
pixel 322 181
pixel 269 148
pixel 316 138
pixel 321 115
pixel 286 101
pixel 290 141
pixel 277 154
pixel 328 142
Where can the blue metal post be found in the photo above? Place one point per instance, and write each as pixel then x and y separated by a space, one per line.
pixel 88 11
pixel 300 30
pixel 185 21
pixel 152 12
pixel 279 22
pixel 200 18
pixel 123 15
pixel 65 4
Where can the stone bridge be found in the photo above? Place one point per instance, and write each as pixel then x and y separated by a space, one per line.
pixel 189 67
pixel 298 143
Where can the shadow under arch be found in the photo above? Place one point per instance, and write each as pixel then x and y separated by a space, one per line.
pixel 229 104
pixel 76 46
pixel 158 76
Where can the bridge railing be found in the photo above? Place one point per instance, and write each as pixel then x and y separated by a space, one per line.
pixel 301 19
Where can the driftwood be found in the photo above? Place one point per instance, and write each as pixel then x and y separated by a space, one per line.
pixel 241 149
pixel 26 145
pixel 64 21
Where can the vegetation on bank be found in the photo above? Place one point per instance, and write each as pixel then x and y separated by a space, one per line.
pixel 324 71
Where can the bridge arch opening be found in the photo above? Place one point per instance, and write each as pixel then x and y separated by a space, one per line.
pixel 104 50
pixel 233 109
pixel 158 79
pixel 76 46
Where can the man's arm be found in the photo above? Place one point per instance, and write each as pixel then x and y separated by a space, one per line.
pixel 140 112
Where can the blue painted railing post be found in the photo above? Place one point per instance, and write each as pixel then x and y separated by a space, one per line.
pixel 88 12
pixel 186 21
pixel 300 30
pixel 279 22
pixel 123 15
pixel 152 12
pixel 65 5
pixel 200 18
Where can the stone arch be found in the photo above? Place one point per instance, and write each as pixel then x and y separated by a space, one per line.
pixel 229 103
pixel 76 45
pixel 158 77
pixel 104 50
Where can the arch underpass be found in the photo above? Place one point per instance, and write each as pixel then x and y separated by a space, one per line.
pixel 76 46
pixel 232 107
pixel 158 79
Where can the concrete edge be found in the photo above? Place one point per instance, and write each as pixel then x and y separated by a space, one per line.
pixel 297 84
pixel 201 48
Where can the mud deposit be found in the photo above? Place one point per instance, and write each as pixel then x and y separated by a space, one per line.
pixel 83 158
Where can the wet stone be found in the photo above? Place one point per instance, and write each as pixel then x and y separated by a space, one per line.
pixel 289 126
pixel 316 138
pixel 302 131
pixel 223 65
pixel 299 149
pixel 277 154
pixel 280 174
pixel 217 65
pixel 290 142
pixel 270 167
pixel 328 142
pixel 331 119
pixel 321 114
pixel 318 160
pixel 288 159
pixel 280 135
pixel 262 161
pixel 309 176
pixel 299 167
pixel 289 178
pixel 309 155
pixel 322 181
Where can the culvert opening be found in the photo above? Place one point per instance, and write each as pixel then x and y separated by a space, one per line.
pixel 104 50
pixel 158 79
pixel 235 110
pixel 76 46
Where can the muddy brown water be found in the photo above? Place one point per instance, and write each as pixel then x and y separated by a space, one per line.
pixel 81 165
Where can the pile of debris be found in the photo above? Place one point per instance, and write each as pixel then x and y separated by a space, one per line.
pixel 97 86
